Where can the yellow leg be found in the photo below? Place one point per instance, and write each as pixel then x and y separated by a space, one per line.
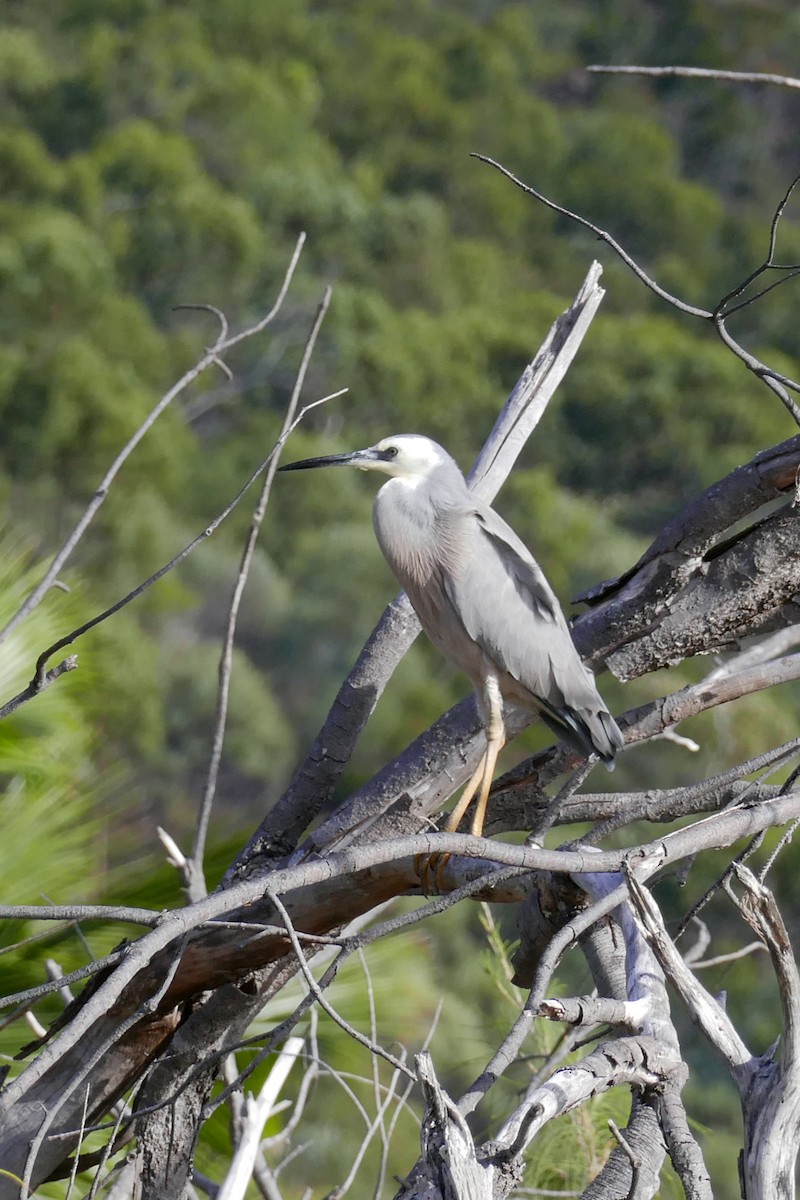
pixel 495 740
pixel 489 764
pixel 475 779
pixel 480 781
pixel 433 863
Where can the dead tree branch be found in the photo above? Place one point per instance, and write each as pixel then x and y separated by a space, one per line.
pixel 314 780
pixel 700 73
pixel 212 357
pixel 778 383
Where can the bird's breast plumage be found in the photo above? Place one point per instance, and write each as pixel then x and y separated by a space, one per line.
pixel 430 546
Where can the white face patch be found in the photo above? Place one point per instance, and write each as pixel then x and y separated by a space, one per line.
pixel 415 457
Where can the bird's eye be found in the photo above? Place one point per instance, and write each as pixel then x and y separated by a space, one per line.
pixel 391 452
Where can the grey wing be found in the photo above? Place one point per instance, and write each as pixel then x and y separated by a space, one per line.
pixel 508 608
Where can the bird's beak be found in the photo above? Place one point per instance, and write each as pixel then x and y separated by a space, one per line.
pixel 356 458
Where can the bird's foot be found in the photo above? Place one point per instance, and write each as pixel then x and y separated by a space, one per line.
pixel 429 868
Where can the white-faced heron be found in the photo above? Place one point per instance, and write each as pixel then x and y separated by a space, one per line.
pixel 481 598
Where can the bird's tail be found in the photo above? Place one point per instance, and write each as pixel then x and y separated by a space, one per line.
pixel 587 732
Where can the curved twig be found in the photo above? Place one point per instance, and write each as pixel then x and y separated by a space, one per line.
pixel 210 357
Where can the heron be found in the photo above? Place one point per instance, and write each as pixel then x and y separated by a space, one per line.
pixel 483 600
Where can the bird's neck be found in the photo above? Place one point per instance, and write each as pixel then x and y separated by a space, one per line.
pixel 420 533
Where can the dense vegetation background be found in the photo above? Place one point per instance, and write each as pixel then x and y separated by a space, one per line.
pixel 155 154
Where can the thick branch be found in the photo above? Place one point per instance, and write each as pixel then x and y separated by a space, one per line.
pixel 172 963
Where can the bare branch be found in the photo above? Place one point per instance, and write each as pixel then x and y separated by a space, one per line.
pixel 700 73
pixel 38 685
pixel 596 1010
pixel 720 960
pixel 317 992
pixel 398 627
pixel 210 357
pixel 777 382
pixel 449 1166
pixel 703 1008
pixel 73 636
pixel 79 912
pixel 634 1160
pixel 636 1062
pixel 603 236
pixel 256 1114
pixel 194 866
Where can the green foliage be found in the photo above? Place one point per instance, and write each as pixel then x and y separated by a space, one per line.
pixel 161 153
pixel 54 799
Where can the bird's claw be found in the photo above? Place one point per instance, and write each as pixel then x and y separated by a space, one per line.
pixel 429 868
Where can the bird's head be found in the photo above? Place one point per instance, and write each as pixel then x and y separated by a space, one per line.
pixel 406 456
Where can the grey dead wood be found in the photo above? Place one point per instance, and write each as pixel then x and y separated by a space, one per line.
pixel 701 590
pixel 643 1135
pixel 315 779
pixel 759 77
pixel 768 1085
pixel 639 1062
pixel 527 780
pixel 645 989
pixel 448 1167
pixel 519 801
pixel 398 628
pixel 765 558
pixel 772 1113
pixel 621 610
pixel 145 1040
pixel 592 1010
pixel 166 1138
pixel 315 893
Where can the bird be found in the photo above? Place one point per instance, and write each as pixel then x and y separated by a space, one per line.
pixel 483 600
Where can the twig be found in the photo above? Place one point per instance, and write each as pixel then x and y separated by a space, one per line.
pixel 122 1112
pixel 193 868
pixel 789 834
pixel 38 685
pixel 691 309
pixel 720 960
pixel 723 879
pixel 375 1125
pixel 374 1063
pixel 55 985
pixel 80 912
pixel 700 73
pixel 74 1172
pixel 256 1113
pixel 550 813
pixel 41 662
pixel 635 1161
pixel 56 972
pixel 317 992
pixel 221 346
pixel 775 381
